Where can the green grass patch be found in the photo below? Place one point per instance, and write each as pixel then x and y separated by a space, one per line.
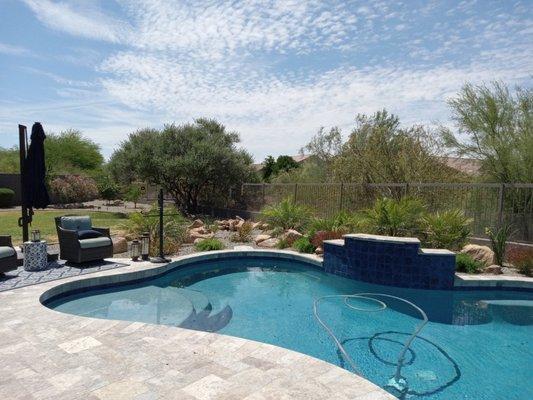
pixel 44 221
pixel 209 245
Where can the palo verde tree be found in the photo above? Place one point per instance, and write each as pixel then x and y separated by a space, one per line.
pixel 192 162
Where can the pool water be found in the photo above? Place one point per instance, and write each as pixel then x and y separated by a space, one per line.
pixel 476 345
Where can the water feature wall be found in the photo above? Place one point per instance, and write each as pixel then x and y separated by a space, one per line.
pixel 392 261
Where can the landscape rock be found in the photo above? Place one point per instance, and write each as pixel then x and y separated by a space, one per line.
pixel 260 238
pixel 199 233
pixel 319 251
pixel 493 269
pixel 291 235
pixel 197 223
pixel 120 244
pixel 269 243
pixel 479 253
pixel 198 240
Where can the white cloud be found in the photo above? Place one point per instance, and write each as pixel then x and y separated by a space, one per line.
pixel 71 18
pixel 13 50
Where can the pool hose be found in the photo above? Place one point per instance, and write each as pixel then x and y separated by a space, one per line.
pixel 397 381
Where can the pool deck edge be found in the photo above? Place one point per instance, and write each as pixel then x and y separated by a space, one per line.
pixel 51 355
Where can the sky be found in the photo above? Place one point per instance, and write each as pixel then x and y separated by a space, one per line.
pixel 273 70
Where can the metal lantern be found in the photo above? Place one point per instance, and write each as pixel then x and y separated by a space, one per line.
pixel 135 250
pixel 35 235
pixel 145 246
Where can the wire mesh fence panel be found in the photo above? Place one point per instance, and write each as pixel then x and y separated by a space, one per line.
pixel 487 204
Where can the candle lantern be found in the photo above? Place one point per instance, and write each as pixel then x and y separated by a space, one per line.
pixel 135 250
pixel 145 246
pixel 35 235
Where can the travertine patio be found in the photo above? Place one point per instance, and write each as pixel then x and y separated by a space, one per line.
pixel 49 355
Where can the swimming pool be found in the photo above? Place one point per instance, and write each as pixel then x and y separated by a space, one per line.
pixel 476 345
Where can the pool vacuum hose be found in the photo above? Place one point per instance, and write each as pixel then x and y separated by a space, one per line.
pixel 397 381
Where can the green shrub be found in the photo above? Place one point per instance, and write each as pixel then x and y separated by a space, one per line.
pixel 392 217
pixel 465 263
pixel 209 245
pixel 342 222
pixel 286 215
pixel 525 266
pixel 498 240
pixel 174 225
pixel 283 244
pixel 244 233
pixel 303 245
pixel 446 230
pixel 6 197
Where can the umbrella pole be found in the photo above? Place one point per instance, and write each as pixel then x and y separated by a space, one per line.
pixel 23 221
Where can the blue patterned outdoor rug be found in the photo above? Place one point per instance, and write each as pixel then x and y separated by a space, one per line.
pixel 56 270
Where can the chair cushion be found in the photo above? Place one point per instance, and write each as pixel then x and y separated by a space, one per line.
pixel 6 251
pixel 76 223
pixel 89 234
pixel 95 242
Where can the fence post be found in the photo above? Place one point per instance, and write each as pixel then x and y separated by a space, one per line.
pixel 263 195
pixel 295 191
pixel 406 189
pixel 501 204
pixel 341 196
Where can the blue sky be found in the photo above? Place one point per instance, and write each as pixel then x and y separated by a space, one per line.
pixel 275 71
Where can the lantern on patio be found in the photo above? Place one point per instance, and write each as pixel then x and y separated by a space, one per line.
pixel 135 250
pixel 145 246
pixel 35 235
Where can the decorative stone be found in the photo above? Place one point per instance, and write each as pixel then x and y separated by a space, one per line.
pixel 200 232
pixel 260 238
pixel 319 251
pixel 479 253
pixel 291 235
pixel 269 243
pixel 493 269
pixel 120 244
pixel 197 223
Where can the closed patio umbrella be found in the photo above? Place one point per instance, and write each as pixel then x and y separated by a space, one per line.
pixel 35 194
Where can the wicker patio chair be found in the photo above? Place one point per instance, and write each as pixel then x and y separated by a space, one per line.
pixel 8 255
pixel 76 250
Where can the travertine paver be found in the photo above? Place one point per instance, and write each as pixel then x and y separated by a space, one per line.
pixel 50 355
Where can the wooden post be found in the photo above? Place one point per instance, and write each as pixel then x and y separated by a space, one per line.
pixel 23 220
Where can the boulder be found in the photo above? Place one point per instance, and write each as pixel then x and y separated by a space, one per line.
pixel 319 251
pixel 199 233
pixel 291 235
pixel 260 238
pixel 493 269
pixel 479 253
pixel 197 223
pixel 120 244
pixel 239 224
pixel 269 243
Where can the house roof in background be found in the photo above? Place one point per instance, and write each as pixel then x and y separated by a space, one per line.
pixel 469 166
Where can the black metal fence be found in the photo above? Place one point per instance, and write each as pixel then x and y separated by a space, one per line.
pixel 488 204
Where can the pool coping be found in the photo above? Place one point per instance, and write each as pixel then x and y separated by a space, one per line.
pixel 51 355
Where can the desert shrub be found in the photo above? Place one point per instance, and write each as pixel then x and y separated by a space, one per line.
pixel 341 222
pixel 303 245
pixel 283 243
pixel 209 245
pixel 6 197
pixel 278 230
pixel 286 215
pixel 174 228
pixel 133 194
pixel 446 230
pixel 465 263
pixel 244 233
pixel 525 266
pixel 498 241
pixel 73 189
pixel 392 217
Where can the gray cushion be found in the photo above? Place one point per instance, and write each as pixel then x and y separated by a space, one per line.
pixel 76 223
pixel 95 242
pixel 6 251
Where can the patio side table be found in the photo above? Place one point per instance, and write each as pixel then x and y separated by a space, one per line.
pixel 35 256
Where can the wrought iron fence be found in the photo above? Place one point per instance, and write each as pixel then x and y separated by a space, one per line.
pixel 488 204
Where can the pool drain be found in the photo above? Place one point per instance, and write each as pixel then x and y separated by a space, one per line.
pixel 397 381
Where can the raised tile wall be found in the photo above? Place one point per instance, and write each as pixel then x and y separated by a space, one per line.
pixel 392 263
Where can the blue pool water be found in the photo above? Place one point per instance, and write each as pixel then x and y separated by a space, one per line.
pixel 477 344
